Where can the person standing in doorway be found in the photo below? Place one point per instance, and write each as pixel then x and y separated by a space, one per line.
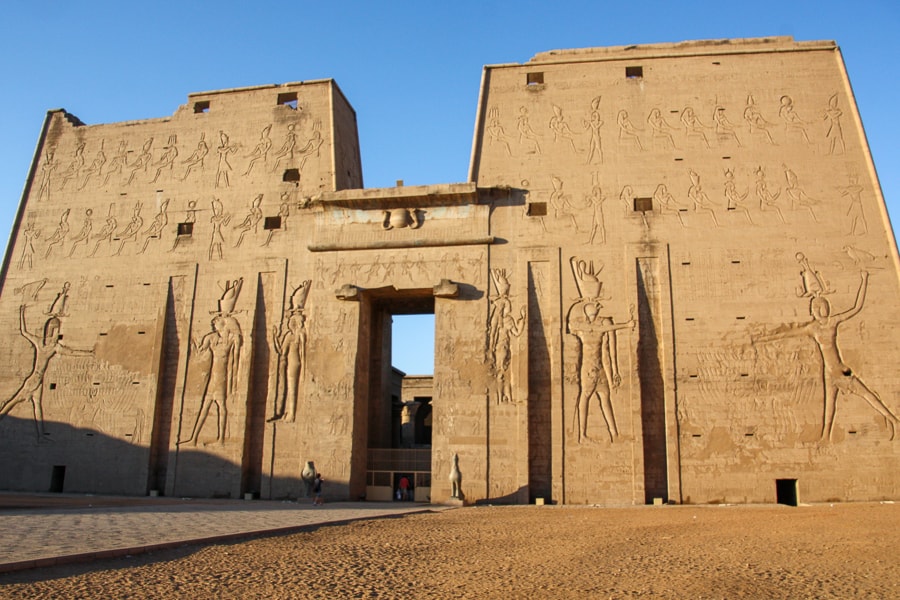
pixel 404 488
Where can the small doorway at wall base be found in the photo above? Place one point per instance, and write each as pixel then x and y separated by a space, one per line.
pixel 57 479
pixel 786 491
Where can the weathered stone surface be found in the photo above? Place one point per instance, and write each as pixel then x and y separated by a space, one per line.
pixel 667 278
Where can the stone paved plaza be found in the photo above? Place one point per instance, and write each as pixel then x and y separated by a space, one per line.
pixel 46 530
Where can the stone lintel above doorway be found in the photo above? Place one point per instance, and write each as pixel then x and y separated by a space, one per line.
pixel 349 292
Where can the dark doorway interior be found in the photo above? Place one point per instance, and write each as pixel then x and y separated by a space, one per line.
pixel 57 479
pixel 786 491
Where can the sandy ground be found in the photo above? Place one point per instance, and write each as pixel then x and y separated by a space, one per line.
pixel 823 551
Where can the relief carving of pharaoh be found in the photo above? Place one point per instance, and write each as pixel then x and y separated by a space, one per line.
pixel 598 367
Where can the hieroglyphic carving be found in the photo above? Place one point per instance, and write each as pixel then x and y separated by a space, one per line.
pixel 58 306
pixel 48 165
pixel 223 345
pixel 598 369
pixel 799 198
pixel 113 404
pixel 223 167
pixel 59 236
pixel 627 198
pixel 560 128
pixel 46 346
pixel 793 124
pixel 733 197
pixel 660 128
pixel 289 341
pixel 337 423
pixel 251 221
pixel 767 199
pixel 812 284
pixel 756 121
pixel 29 234
pixel 129 234
pixel 666 202
pixel 195 160
pixel 154 232
pixel 95 168
pixel 74 168
pixel 725 129
pixel 337 463
pixel 834 133
pixel 261 150
pixel 496 133
pixel 218 220
pixel 30 289
pixel 561 202
pixel 312 145
pixel 858 224
pixel 84 233
pixel 627 130
pixel 692 125
pixel 595 203
pixel 108 230
pixel 167 159
pixel 118 162
pixel 861 258
pixel 284 212
pixel 502 327
pixel 526 132
pixel 699 198
pixel 822 328
pixel 286 152
pixel 593 125
pixel 142 162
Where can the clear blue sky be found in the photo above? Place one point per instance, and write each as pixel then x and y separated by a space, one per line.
pixel 411 69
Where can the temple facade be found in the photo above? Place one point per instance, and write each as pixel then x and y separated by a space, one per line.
pixel 669 278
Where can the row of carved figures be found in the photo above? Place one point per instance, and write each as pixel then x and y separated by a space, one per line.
pixel 217 354
pixel 151 165
pixel 598 373
pixel 660 131
pixel 115 239
pixel 768 199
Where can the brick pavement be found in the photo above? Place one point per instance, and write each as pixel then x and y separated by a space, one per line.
pixel 45 530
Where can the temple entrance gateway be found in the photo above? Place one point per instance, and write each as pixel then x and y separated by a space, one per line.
pixel 396 449
pixel 634 298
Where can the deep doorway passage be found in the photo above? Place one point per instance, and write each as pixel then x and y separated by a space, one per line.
pixel 412 372
pixel 400 361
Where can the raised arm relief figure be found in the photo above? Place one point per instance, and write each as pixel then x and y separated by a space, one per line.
pixel 46 346
pixel 837 376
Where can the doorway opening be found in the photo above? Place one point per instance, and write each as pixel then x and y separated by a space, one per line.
pixel 786 491
pixel 57 479
pixel 400 382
